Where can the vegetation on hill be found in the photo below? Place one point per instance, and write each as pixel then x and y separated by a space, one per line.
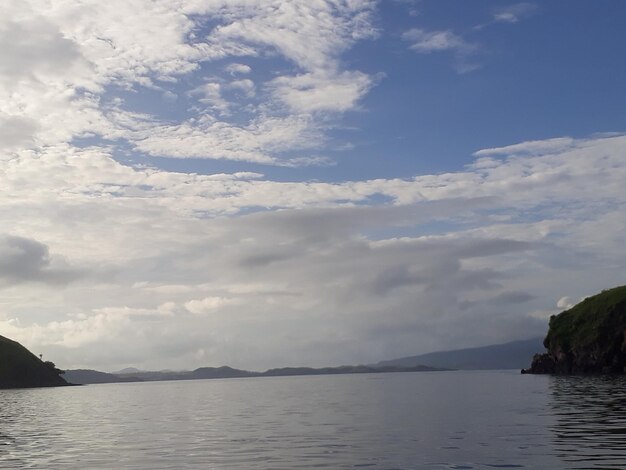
pixel 19 368
pixel 588 338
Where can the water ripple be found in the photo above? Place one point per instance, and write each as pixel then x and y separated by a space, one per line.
pixel 460 420
pixel 590 421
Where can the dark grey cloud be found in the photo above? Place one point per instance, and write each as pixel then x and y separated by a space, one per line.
pixel 503 299
pixel 16 131
pixel 27 260
pixel 341 221
pixel 32 45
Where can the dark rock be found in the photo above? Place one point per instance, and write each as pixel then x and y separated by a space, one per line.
pixel 589 338
pixel 542 364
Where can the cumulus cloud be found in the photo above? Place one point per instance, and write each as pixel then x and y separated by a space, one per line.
pixel 63 60
pixel 33 47
pixel 310 34
pixel 27 260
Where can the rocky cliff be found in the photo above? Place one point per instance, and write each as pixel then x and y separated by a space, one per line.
pixel 589 338
pixel 19 368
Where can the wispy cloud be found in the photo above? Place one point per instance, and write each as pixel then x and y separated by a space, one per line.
pixel 510 14
pixel 428 42
pixel 514 13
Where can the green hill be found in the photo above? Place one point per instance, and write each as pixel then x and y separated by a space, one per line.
pixel 19 368
pixel 588 338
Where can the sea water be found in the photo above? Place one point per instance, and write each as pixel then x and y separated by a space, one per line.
pixel 423 420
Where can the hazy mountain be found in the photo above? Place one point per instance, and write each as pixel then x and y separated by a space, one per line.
pixel 81 376
pixel 513 355
pixel 128 370
pixel 88 376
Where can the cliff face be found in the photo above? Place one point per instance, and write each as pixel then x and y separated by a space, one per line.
pixel 589 338
pixel 19 368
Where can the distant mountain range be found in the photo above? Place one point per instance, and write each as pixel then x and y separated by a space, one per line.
pixel 86 376
pixel 513 355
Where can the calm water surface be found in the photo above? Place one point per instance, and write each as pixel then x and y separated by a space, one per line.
pixel 432 420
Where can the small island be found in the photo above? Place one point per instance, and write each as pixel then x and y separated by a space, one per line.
pixel 589 338
pixel 19 368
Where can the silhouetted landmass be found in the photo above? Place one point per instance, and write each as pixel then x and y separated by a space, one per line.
pixel 128 370
pixel 224 372
pixel 589 338
pixel 19 368
pixel 512 355
pixel 221 373
pixel 345 370
pixel 88 376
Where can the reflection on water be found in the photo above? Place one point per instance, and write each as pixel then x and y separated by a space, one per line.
pixel 456 420
pixel 590 421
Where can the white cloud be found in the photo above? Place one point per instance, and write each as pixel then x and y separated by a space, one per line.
pixel 235 69
pixel 531 147
pixel 564 303
pixel 514 13
pixel 17 131
pixel 426 42
pixel 261 141
pixel 318 269
pixel 152 246
pixel 211 96
pixel 510 14
pixel 26 260
pixel 247 87
pixel 61 60
pixel 310 92
pixel 311 34
pixel 206 305
pixel 33 47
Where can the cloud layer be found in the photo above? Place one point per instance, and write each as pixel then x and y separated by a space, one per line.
pixel 106 264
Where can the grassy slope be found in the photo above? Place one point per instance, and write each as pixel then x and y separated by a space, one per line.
pixel 21 368
pixel 594 321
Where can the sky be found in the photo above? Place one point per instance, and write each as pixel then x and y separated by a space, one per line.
pixel 267 183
